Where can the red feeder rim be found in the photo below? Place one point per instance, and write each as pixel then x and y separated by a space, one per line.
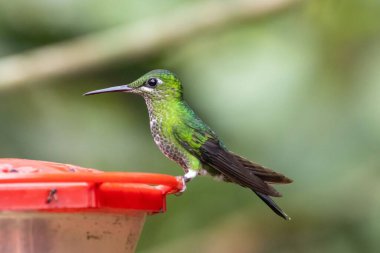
pixel 40 185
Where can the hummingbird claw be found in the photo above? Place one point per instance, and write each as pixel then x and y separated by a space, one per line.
pixel 190 174
pixel 184 181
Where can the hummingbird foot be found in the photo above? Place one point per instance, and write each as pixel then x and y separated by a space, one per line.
pixel 182 178
pixel 190 174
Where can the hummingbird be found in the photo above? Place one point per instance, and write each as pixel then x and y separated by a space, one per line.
pixel 184 138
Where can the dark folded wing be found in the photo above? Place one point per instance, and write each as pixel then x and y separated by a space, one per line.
pixel 226 163
pixel 202 143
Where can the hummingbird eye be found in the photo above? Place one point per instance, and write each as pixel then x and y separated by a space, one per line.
pixel 152 82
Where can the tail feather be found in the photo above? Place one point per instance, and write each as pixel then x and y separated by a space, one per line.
pixel 272 205
pixel 265 174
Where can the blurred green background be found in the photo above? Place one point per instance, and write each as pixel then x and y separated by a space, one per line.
pixel 292 85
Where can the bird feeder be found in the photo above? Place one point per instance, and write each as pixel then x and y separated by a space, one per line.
pixel 48 207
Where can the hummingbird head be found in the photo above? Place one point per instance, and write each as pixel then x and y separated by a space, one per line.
pixel 156 84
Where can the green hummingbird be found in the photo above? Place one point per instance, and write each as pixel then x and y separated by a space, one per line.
pixel 184 138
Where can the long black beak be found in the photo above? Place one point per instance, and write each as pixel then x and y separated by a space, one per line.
pixel 121 88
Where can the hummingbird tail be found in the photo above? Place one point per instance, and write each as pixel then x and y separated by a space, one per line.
pixel 272 205
pixel 267 175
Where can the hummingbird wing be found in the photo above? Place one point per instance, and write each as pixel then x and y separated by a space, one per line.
pixel 199 140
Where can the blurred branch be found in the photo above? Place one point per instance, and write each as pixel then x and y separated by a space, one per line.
pixel 130 41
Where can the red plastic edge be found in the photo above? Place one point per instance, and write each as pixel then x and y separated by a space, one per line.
pixel 39 185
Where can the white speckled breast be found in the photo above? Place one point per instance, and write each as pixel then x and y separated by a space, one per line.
pixel 165 142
